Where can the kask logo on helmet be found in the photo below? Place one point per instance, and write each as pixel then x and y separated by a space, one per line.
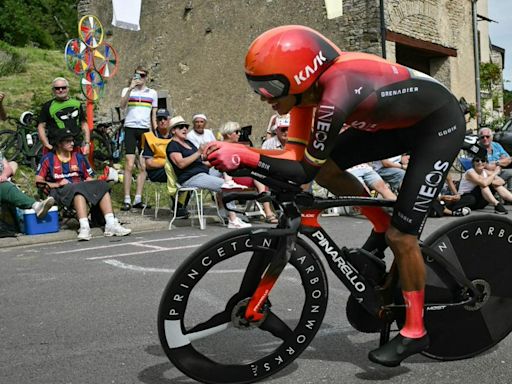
pixel 306 72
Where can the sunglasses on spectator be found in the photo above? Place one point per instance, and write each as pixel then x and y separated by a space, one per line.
pixel 480 161
pixel 485 136
pixel 237 132
pixel 61 88
pixel 283 129
pixel 142 75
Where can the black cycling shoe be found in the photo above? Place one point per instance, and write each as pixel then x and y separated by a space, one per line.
pixel 141 205
pixel 126 207
pixel 399 348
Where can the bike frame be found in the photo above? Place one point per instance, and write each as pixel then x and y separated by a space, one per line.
pixel 371 297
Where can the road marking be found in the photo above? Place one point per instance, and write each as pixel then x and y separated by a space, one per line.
pixel 144 252
pixel 120 264
pixel 130 243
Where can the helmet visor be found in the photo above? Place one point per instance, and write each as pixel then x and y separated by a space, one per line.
pixel 270 87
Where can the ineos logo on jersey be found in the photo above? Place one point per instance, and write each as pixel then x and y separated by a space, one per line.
pixel 430 186
pixel 323 125
pixel 306 73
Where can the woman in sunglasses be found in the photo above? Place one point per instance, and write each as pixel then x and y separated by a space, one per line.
pixel 386 109
pixel 477 187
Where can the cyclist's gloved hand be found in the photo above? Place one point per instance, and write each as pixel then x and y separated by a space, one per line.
pixel 230 156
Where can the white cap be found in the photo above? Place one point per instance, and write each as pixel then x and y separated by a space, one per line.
pixel 199 116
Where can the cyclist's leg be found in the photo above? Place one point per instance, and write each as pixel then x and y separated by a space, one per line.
pixel 130 144
pixel 443 130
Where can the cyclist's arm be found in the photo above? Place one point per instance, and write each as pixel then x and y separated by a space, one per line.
pixel 154 124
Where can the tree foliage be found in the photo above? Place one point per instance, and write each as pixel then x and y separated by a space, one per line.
pixel 47 24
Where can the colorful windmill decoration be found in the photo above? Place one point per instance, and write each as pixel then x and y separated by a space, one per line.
pixel 93 60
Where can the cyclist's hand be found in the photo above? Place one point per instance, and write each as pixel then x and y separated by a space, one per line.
pixel 230 156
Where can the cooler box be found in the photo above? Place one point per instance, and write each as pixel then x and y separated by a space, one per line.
pixel 31 225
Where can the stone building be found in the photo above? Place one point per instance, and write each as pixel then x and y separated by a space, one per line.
pixel 195 49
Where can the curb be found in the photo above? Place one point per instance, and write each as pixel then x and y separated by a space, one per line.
pixel 137 226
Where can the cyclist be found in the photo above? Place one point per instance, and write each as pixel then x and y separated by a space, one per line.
pixel 383 109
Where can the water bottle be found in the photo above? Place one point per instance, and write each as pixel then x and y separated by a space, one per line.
pixel 30 142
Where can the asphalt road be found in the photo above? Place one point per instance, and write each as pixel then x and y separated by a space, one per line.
pixel 86 313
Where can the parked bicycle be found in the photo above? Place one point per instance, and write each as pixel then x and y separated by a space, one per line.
pixel 251 329
pixel 21 144
pixel 107 139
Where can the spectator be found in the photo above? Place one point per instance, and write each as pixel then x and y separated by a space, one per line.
pixel 371 179
pixel 475 188
pixel 68 178
pixel 63 112
pixel 271 127
pixel 155 145
pixel 187 162
pixel 281 137
pixel 199 135
pixel 12 196
pixel 496 156
pixel 392 170
pixel 231 133
pixel 141 104
pixel 3 115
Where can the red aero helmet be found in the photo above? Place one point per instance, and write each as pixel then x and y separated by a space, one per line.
pixel 288 60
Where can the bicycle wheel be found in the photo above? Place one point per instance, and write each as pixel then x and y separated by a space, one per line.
pixel 101 150
pixel 199 319
pixel 10 146
pixel 480 246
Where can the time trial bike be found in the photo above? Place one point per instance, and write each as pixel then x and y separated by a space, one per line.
pixel 468 295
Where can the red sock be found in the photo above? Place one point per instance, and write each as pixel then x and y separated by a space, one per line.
pixel 379 218
pixel 413 327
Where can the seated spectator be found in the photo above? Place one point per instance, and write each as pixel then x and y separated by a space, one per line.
pixel 445 203
pixel 155 145
pixel 271 127
pixel 496 156
pixel 371 179
pixel 231 133
pixel 191 170
pixel 477 185
pixel 13 197
pixel 199 135
pixel 69 180
pixel 281 134
pixel 392 170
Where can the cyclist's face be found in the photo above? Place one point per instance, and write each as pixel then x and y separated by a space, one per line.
pixel 282 105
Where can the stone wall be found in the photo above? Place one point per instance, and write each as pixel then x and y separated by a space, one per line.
pixel 195 49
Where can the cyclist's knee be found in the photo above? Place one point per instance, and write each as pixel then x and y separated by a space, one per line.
pixel 398 239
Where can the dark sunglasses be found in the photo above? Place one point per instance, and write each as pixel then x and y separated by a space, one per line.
pixel 181 127
pixel 142 75
pixel 480 161
pixel 237 132
pixel 60 88
pixel 283 129
pixel 160 119
pixel 485 136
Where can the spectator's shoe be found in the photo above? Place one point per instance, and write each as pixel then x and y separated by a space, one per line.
pixel 399 348
pixel 141 205
pixel 237 223
pixel 126 207
pixel 84 234
pixel 182 213
pixel 116 229
pixel 41 208
pixel 464 211
pixel 500 209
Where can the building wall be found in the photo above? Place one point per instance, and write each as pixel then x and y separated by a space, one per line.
pixel 195 49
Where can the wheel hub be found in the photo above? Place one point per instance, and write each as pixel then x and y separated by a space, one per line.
pixel 485 289
pixel 238 315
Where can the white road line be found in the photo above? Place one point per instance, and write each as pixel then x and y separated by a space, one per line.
pixel 142 252
pixel 150 246
pixel 131 243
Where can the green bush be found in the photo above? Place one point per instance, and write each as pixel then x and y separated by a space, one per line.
pixel 13 63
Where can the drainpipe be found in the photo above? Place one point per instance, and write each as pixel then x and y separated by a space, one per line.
pixel 476 50
pixel 382 29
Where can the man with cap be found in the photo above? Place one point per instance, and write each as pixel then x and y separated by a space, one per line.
pixel 199 134
pixel 281 133
pixel 68 178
